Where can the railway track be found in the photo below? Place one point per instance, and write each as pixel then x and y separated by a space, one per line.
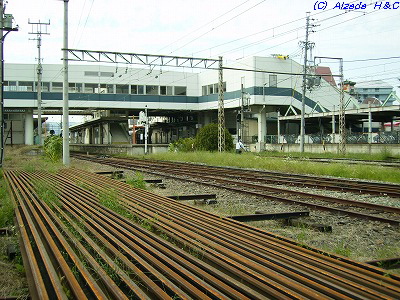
pixel 253 182
pixel 86 236
pixel 346 185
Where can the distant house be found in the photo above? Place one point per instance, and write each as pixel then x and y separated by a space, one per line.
pixel 370 91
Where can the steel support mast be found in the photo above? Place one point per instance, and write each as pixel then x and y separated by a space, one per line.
pixel 221 112
pixel 39 33
pixel 65 124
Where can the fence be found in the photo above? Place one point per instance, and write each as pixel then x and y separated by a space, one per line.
pixel 392 137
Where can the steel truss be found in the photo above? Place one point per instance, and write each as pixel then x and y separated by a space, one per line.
pixel 143 59
pixel 161 61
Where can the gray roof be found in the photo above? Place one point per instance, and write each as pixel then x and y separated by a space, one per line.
pixel 372 84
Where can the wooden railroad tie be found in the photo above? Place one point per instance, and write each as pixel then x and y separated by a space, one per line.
pixel 261 216
pixel 198 199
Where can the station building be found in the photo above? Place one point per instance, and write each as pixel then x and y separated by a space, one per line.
pixel 178 101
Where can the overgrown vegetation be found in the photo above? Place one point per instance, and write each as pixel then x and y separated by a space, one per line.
pixel 47 193
pixel 6 204
pixel 251 160
pixel 30 159
pixel 137 181
pixel 182 145
pixel 385 154
pixel 205 140
pixel 109 199
pixel 53 147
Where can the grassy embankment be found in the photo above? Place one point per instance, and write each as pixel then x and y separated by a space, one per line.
pixel 285 164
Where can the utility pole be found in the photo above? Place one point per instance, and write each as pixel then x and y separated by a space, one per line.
pixel 65 127
pixel 5 26
pixel 307 46
pixel 221 114
pixel 37 29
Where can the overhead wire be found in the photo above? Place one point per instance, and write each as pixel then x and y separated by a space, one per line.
pixel 223 23
pixel 202 26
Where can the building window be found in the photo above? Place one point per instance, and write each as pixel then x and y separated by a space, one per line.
pixel 75 88
pixel 204 90
pixel 45 86
pixel 166 90
pixel 106 74
pixel 377 96
pixel 216 88
pixel 10 85
pixel 152 90
pixel 91 73
pixel 122 89
pixel 211 89
pixel 57 87
pixel 140 89
pixel 91 88
pixel 25 86
pixel 180 90
pixel 273 80
pixel 134 89
pixel 376 89
pixel 110 89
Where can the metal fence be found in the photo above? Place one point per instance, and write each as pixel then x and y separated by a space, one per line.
pixel 392 137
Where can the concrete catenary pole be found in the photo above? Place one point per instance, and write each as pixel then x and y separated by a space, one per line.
pixel 65 125
pixel 303 95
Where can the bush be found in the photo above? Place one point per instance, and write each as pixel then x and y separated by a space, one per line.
pixel 53 147
pixel 182 145
pixel 207 138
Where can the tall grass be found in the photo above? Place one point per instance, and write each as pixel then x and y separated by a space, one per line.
pixel 251 160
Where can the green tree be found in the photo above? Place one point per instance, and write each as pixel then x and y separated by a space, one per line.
pixel 207 138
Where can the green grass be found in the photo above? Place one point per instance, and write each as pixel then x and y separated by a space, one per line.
pixel 251 160
pixel 137 181
pixel 47 193
pixel 6 204
pixel 109 199
pixel 383 155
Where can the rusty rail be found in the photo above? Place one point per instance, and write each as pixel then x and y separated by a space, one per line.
pixel 154 247
pixel 193 173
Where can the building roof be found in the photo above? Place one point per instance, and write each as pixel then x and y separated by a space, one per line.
pixel 373 84
pixel 327 74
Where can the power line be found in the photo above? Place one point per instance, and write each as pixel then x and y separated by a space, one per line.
pixel 201 27
pixel 372 59
pixel 217 26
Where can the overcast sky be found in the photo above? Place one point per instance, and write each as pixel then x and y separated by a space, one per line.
pixel 231 28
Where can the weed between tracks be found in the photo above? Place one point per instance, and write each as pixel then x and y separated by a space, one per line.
pixel 47 193
pixel 137 181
